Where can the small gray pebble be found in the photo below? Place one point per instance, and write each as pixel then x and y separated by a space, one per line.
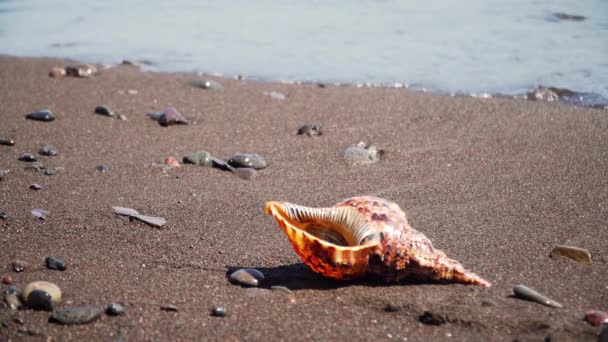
pixel 50 172
pixel 219 311
pixel 169 307
pixel 245 172
pixel 27 157
pixel 76 315
pixel 207 84
pixel 247 277
pixel 53 263
pixel 47 151
pixel 3 215
pixel 311 130
pixel 115 309
pixel 202 158
pixel 35 186
pixel 102 168
pixel 252 160
pixel 41 115
pixel 7 141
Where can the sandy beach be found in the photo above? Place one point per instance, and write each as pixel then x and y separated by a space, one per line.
pixel 495 183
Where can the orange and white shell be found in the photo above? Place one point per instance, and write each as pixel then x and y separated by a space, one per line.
pixel 365 236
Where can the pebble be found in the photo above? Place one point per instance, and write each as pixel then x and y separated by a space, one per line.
pixel 566 16
pixel 275 95
pixel 104 110
pixel 220 164
pixel 50 172
pixel 76 315
pixel 282 289
pixel 41 115
pixel 171 116
pixel 27 157
pixel 12 300
pixel 115 309
pixel 57 72
pixel 19 266
pixel 362 154
pixel 82 70
pixel 172 162
pixel 40 213
pixel 207 84
pixel 596 317
pixel 47 151
pixel 35 186
pixel 155 115
pixel 251 160
pixel 53 263
pixel 7 279
pixel 219 311
pixel 580 255
pixel 247 277
pixel 245 172
pixel 3 215
pixel 3 173
pixel 169 307
pixel 311 130
pixel 524 292
pixel 202 158
pixel 7 142
pixel 12 289
pixel 36 166
pixel 488 302
pixel 102 168
pixel 41 295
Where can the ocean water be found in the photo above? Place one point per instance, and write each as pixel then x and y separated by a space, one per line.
pixel 476 46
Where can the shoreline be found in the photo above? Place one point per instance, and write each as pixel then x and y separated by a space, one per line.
pixel 495 183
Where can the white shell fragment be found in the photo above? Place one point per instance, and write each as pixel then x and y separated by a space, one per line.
pixel 524 292
pixel 151 220
pixel 575 253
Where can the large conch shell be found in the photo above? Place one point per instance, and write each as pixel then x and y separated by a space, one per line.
pixel 365 236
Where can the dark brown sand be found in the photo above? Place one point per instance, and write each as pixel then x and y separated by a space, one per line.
pixel 495 183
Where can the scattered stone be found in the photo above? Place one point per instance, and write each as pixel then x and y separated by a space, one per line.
pixel 219 311
pixel 40 300
pixel 12 289
pixel 247 277
pixel 7 280
pixel 57 72
pixel 50 172
pixel 565 16
pixel 151 220
pixel 41 295
pixel 220 164
pixel 596 317
pixel 432 318
pixel 172 116
pixel 82 70
pixel 76 315
pixel 115 309
pixel 19 266
pixel 12 300
pixel 245 172
pixel 155 115
pixel 3 215
pixel 312 130
pixel 207 84
pixel 42 115
pixel 40 213
pixel 53 263
pixel 3 173
pixel 202 158
pixel 251 160
pixel 19 320
pixel 362 154
pixel 47 151
pixel 7 142
pixel 524 292
pixel 36 166
pixel 169 307
pixel 27 157
pixel 580 255
pixel 104 110
pixel 391 308
pixel 275 95
pixel 102 168
pixel 35 186
pixel 172 162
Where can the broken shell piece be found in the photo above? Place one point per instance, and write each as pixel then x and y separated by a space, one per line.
pixel 524 292
pixel 172 162
pixel 40 213
pixel 575 253
pixel 151 220
pixel 362 154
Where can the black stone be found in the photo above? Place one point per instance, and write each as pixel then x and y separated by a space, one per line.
pixel 391 308
pixel 76 315
pixel 3 215
pixel 47 151
pixel 220 164
pixel 102 168
pixel 169 307
pixel 312 130
pixel 28 157
pixel 252 160
pixel 42 115
pixel 104 110
pixel 40 300
pixel 432 318
pixel 55 264
pixel 603 335
pixel 6 141
pixel 219 311
pixel 115 309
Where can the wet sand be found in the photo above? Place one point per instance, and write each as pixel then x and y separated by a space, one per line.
pixel 495 183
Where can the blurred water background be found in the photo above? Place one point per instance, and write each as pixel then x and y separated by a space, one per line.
pixel 476 46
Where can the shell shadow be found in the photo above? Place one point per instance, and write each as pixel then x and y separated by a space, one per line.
pixel 299 277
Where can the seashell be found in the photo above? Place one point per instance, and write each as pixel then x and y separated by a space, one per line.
pixel 365 237
pixel 524 292
pixel 580 255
